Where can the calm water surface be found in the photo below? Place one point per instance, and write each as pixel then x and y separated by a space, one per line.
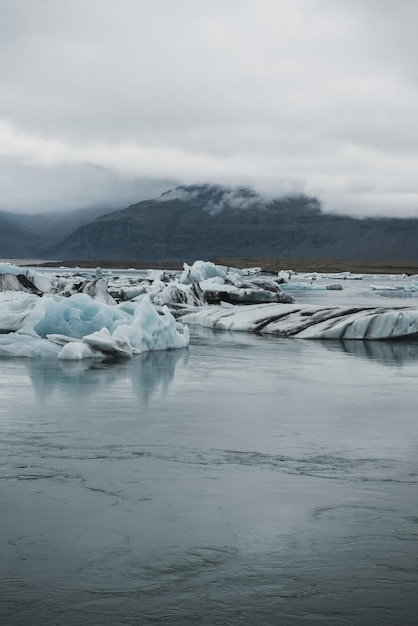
pixel 248 480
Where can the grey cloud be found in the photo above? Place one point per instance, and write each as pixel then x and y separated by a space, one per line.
pixel 239 198
pixel 314 96
pixel 179 193
pixel 33 189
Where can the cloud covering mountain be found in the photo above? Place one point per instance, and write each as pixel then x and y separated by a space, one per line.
pixel 204 221
pixel 309 96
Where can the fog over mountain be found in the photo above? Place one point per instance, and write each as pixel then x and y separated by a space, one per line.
pixel 15 239
pixel 209 221
pixel 308 97
pixel 35 189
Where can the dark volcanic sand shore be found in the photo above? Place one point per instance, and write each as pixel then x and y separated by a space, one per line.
pixel 268 265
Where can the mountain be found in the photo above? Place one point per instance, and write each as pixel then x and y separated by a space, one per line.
pixel 15 239
pixel 206 222
pixel 23 235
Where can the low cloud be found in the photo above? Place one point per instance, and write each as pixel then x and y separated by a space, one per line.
pixel 36 189
pixel 239 199
pixel 309 96
pixel 219 198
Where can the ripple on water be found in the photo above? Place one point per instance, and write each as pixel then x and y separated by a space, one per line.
pixel 330 467
pixel 209 585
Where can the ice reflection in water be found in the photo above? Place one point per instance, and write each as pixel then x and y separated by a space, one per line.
pixel 387 352
pixel 250 481
pixel 154 370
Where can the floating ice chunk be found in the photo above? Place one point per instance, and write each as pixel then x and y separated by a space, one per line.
pixel 235 290
pixel 311 322
pixel 151 331
pixel 249 271
pixel 99 272
pixel 78 350
pixel 97 288
pixel 236 295
pixel 334 287
pixel 103 341
pixel 175 293
pixel 123 288
pixel 368 324
pixel 128 293
pixel 398 290
pixel 226 284
pixel 284 275
pixel 75 316
pixel 15 311
pixel 345 276
pixel 80 327
pixel 201 270
pixel 8 268
pixel 157 275
pixel 17 345
pixel 386 288
pixel 268 284
pixel 211 283
pixel 17 282
pixel 295 287
pixel 61 340
pixel 42 282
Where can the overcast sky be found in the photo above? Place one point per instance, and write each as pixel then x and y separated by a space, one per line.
pixel 110 101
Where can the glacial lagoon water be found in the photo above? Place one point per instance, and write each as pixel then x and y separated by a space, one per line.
pixel 247 480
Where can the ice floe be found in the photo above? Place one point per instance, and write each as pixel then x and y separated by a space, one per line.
pixel 311 322
pixel 80 327
pixel 295 287
pixel 408 290
pixel 74 315
pixel 225 284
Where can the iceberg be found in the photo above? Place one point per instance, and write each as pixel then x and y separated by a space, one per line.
pixel 345 276
pixel 14 311
pixel 200 271
pixel 296 287
pixel 203 270
pixel 97 315
pixel 17 282
pixel 231 285
pixel 180 294
pixel 310 322
pixel 81 327
pixel 215 294
pixel 40 282
pixel 410 290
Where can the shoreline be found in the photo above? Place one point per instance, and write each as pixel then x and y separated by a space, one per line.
pixel 267 265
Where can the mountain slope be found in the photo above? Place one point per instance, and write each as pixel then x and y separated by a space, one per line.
pixel 23 235
pixel 211 221
pixel 15 240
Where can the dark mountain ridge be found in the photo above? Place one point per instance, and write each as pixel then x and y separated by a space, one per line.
pixel 206 221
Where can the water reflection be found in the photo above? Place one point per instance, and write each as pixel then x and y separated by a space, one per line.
pixel 397 353
pixel 157 370
pixel 145 374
